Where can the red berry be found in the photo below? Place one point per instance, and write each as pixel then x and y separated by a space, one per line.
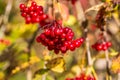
pixel 28 20
pixel 77 78
pixel 63 49
pixel 109 44
pixel 104 47
pixel 68 37
pixel 39 8
pixel 44 16
pixel 31 8
pixel 22 6
pixel 51 43
pixel 72 47
pixel 81 40
pixel 40 13
pixel 57 31
pixel 38 39
pixel 63 35
pixel 66 29
pixel 33 4
pixel 35 14
pixel 24 14
pixel 47 31
pixel 26 10
pixel 99 47
pixel 77 44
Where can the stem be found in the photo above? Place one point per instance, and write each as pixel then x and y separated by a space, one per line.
pixel 106 52
pixel 29 74
pixel 118 76
pixel 44 75
pixel 88 52
pixel 53 10
pixel 30 42
pixel 94 73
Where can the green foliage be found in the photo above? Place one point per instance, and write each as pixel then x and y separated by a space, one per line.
pixel 18 76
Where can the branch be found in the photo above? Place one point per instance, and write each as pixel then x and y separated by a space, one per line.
pixel 6 17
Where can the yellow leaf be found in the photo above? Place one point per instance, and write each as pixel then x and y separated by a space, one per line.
pixel 56 64
pixel 108 1
pixel 76 69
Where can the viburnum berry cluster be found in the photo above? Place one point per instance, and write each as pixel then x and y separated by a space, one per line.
pixel 4 41
pixel 33 13
pixel 82 77
pixel 101 46
pixel 59 38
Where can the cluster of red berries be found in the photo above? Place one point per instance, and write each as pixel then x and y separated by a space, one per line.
pixel 82 77
pixel 102 46
pixel 58 38
pixel 33 14
pixel 4 41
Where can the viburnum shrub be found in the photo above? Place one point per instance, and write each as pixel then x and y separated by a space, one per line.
pixel 55 36
pixel 59 38
pixel 33 13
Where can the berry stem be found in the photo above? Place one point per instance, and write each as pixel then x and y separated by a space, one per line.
pixel 53 10
pixel 44 75
pixel 118 76
pixel 106 52
pixel 88 52
pixel 30 42
pixel 94 73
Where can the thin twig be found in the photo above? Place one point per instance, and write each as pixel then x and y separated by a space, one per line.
pixel 88 52
pixel 30 42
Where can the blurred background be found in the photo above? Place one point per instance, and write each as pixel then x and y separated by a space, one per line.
pixel 22 58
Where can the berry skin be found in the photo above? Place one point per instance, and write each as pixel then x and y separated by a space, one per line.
pixel 77 44
pixel 68 37
pixel 33 4
pixel 63 49
pixel 104 47
pixel 39 8
pixel 28 20
pixel 99 47
pixel 47 32
pixel 57 32
pixel 31 8
pixel 72 47
pixel 81 40
pixel 24 14
pixel 38 39
pixel 22 6
pixel 40 13
pixel 109 44
pixel 63 35
pixel 26 10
